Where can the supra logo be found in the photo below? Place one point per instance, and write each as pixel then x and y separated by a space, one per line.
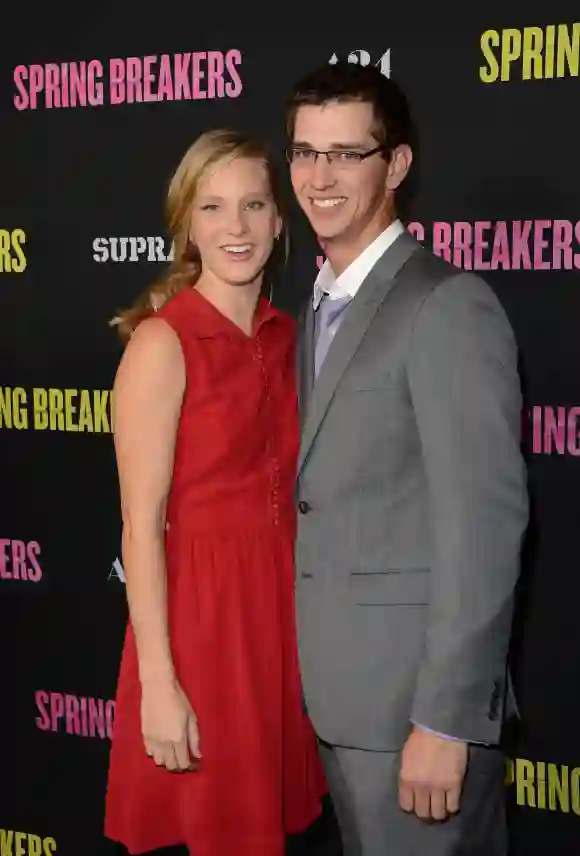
pixel 150 249
pixel 361 57
pixel 117 571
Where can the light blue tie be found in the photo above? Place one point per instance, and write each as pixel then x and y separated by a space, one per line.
pixel 327 320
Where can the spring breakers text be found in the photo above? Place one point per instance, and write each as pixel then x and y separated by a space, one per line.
pixel 42 409
pixel 14 843
pixel 128 80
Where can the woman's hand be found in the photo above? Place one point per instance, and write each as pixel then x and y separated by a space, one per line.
pixel 169 727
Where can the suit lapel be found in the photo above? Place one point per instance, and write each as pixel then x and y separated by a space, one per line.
pixel 305 358
pixel 359 316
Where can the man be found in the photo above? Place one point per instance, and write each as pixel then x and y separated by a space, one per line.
pixel 412 493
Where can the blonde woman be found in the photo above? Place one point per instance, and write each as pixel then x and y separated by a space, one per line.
pixel 211 748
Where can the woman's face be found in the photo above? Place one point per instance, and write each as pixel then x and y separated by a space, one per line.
pixel 234 220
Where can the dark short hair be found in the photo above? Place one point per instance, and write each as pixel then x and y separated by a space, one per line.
pixel 345 82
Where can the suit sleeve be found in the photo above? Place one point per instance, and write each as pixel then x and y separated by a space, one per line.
pixel 466 394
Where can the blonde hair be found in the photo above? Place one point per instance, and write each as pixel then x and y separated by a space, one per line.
pixel 185 269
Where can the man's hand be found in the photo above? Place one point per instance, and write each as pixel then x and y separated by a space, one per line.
pixel 431 776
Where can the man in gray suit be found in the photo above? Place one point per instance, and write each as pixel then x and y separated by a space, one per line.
pixel 411 491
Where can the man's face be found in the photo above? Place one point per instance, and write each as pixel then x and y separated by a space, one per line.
pixel 347 197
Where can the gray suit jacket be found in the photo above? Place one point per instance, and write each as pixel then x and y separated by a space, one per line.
pixel 413 500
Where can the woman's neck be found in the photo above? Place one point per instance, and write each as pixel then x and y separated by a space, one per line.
pixel 237 302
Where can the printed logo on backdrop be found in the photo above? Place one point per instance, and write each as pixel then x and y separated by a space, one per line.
pixel 12 254
pixel 20 560
pixel 487 245
pixel 53 409
pixel 360 57
pixel 81 716
pixel 117 572
pixel 195 76
pixel 545 785
pixel 122 249
pixel 505 244
pixel 552 431
pixel 530 53
pixel 13 843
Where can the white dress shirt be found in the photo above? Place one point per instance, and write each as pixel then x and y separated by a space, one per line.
pixel 351 279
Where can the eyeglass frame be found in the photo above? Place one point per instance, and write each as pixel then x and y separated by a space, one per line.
pixel 360 156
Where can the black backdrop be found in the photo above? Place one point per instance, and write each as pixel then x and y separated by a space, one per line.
pixel 81 233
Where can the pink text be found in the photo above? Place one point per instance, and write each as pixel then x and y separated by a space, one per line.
pixel 554 430
pixel 165 77
pixel 505 244
pixel 19 560
pixel 71 714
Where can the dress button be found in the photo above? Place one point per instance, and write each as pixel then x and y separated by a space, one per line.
pixel 304 507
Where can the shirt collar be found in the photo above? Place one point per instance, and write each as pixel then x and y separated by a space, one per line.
pixel 351 279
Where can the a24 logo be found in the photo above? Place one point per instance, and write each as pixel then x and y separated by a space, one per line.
pixel 117 571
pixel 361 57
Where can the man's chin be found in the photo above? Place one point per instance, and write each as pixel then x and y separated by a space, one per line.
pixel 327 231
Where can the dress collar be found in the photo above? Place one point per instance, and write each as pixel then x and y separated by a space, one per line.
pixel 209 321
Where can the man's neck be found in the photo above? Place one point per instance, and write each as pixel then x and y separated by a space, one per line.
pixel 342 251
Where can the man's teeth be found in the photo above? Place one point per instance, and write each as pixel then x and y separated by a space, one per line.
pixel 329 203
pixel 246 248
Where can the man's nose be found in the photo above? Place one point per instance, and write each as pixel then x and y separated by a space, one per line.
pixel 322 175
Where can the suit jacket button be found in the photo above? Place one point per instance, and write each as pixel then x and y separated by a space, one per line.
pixel 303 507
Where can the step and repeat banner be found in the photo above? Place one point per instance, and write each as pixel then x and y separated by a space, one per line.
pixel 90 137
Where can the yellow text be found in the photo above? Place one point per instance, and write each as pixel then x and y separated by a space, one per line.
pixel 14 843
pixel 544 785
pixel 53 409
pixel 531 53
pixel 12 256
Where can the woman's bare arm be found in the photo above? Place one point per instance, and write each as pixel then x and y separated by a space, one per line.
pixel 148 394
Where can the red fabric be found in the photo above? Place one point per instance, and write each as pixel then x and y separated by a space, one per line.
pixel 230 573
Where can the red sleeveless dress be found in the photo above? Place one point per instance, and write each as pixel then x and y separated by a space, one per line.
pixel 230 576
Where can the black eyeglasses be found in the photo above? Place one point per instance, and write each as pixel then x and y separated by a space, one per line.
pixel 337 157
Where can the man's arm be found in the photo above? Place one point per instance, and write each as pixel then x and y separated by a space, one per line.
pixel 466 393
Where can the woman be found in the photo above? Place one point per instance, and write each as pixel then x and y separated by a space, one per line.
pixel 211 747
